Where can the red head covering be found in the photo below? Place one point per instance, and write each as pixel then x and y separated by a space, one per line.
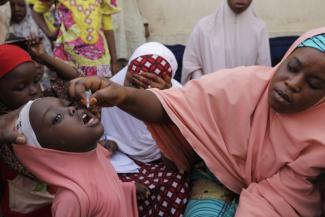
pixel 10 57
pixel 150 63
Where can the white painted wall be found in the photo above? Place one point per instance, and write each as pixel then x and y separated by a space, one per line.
pixel 171 21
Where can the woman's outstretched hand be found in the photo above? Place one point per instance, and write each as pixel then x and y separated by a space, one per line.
pixel 104 92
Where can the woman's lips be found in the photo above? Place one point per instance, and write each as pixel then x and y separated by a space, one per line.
pixel 282 96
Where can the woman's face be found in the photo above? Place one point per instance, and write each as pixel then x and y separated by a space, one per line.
pixel 63 127
pixel 299 82
pixel 18 10
pixel 238 6
pixel 20 85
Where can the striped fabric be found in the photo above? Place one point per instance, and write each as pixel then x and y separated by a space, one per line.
pixel 317 42
pixel 209 197
pixel 210 208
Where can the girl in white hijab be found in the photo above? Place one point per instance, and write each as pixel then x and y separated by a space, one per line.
pixel 231 37
pixel 138 158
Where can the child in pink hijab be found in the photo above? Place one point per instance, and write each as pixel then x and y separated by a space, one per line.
pixel 62 151
pixel 259 130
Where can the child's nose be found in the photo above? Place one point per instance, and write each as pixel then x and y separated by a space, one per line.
pixel 33 90
pixel 72 110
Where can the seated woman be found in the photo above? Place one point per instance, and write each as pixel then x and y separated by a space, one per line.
pixel 259 130
pixel 62 151
pixel 24 195
pixel 152 64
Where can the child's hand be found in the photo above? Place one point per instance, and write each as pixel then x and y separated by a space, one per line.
pixel 52 36
pixel 110 145
pixel 142 191
pixel 150 80
pixel 7 125
pixel 35 47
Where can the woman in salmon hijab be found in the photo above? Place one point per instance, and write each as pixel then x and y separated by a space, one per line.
pixel 232 36
pixel 259 130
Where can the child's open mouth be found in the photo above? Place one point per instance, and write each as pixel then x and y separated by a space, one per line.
pixel 89 119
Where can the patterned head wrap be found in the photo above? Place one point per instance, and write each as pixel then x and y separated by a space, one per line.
pixel 317 42
pixel 150 63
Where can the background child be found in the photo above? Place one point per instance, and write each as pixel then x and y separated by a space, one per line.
pixel 62 151
pixel 232 36
pixel 85 37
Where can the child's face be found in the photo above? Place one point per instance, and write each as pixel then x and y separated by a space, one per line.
pixel 239 6
pixel 299 82
pixel 63 127
pixel 20 85
pixel 18 10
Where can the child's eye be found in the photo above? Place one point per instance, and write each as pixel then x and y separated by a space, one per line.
pixel 37 79
pixel 20 87
pixel 57 119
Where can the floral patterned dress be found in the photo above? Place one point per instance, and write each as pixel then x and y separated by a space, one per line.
pixel 81 39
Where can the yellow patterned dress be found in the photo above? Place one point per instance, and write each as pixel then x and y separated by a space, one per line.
pixel 81 39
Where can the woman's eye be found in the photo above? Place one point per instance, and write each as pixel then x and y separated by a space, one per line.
pixel 313 85
pixel 292 68
pixel 57 119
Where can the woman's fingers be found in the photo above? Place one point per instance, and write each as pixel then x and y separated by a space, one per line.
pixel 78 86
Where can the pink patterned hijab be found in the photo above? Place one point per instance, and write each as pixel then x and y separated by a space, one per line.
pixel 270 159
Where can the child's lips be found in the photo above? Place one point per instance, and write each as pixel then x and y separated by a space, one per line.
pixel 88 119
pixel 92 122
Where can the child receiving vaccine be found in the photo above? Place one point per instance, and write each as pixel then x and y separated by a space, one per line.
pixel 62 151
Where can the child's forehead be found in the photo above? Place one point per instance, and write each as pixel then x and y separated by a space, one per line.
pixel 45 103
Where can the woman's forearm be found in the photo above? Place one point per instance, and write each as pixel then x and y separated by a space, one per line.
pixel 144 105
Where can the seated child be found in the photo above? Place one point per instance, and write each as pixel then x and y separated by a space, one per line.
pixel 138 157
pixel 62 151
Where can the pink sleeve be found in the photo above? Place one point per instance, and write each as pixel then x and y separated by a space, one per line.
pixel 66 204
pixel 276 197
pixel 130 197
